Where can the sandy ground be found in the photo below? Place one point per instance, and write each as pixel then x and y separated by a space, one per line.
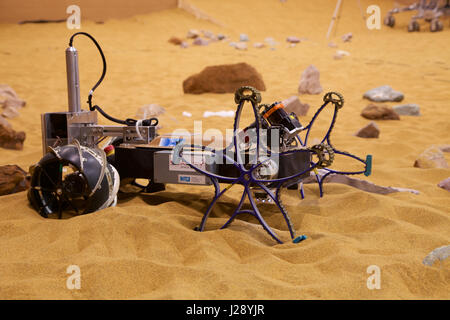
pixel 146 248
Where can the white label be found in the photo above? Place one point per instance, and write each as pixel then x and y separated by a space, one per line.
pixel 191 179
pixel 197 160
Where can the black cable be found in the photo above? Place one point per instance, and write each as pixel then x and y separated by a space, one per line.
pixel 103 60
pixel 129 122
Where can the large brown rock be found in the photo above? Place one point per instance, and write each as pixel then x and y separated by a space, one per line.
pixel 12 179
pixel 224 79
pixel 379 112
pixel 10 139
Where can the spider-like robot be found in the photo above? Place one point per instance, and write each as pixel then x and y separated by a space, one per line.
pixel 262 169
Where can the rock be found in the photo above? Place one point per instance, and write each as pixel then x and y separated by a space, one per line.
pixel 13 179
pixel 340 54
pixel 224 79
pixel 220 36
pixel 270 41
pixel 379 112
pixel 186 114
pixel 310 81
pixel 4 122
pixel 355 183
pixel 347 37
pixel 150 110
pixel 432 157
pixel 200 42
pixel 10 102
pixel 221 113
pixel 292 39
pixel 10 139
pixel 175 40
pixel 7 92
pixel 209 35
pixel 259 45
pixel 444 147
pixel 383 94
pixel 369 131
pixel 440 254
pixel 293 104
pixel 445 184
pixel 192 34
pixel 243 37
pixel 184 44
pixel 241 46
pixel 332 45
pixel 410 109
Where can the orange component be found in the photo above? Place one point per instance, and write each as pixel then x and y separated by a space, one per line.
pixel 272 110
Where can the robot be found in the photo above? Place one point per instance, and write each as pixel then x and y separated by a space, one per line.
pixel 429 10
pixel 76 176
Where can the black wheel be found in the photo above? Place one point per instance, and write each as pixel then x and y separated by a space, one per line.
pixel 413 26
pixel 74 180
pixel 436 25
pixel 389 21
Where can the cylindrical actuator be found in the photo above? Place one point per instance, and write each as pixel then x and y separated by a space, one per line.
pixel 73 81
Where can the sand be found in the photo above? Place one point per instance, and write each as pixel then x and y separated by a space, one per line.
pixel 145 248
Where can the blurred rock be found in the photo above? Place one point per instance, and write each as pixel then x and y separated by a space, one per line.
pixel 445 184
pixel 224 79
pixel 440 254
pixel 292 39
pixel 310 81
pixel 10 102
pixel 270 41
pixel 355 183
pixel 332 45
pixel 209 35
pixel 7 92
pixel 433 157
pixel 379 112
pixel 184 44
pixel 383 94
pixel 293 104
pixel 200 42
pixel 259 45
pixel 240 46
pixel 371 130
pixel 175 40
pixel 243 37
pixel 12 179
pixel 192 34
pixel 10 139
pixel 340 54
pixel 220 36
pixel 4 122
pixel 347 37
pixel 410 109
